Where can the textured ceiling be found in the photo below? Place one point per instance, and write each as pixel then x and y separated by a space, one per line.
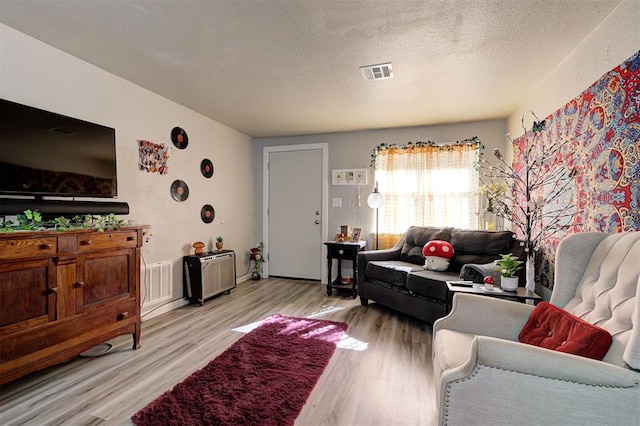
pixel 291 67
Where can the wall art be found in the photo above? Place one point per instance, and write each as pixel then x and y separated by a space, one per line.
pixel 153 157
pixel 603 127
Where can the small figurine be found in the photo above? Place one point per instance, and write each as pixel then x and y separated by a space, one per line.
pixel 489 282
pixel 199 246
pixel 437 255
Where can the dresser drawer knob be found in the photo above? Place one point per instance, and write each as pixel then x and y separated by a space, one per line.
pixel 53 290
pixel 123 315
pixel 85 242
pixel 340 252
pixel 45 246
pixel 130 238
pixel 80 284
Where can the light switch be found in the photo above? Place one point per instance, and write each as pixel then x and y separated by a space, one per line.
pixel 337 202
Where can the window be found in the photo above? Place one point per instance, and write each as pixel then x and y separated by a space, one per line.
pixel 427 185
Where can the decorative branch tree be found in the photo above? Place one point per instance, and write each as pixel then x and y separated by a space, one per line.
pixel 540 202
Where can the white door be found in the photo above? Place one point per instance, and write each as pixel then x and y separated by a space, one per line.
pixel 295 210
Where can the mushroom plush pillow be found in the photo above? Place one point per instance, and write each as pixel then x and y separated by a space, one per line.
pixel 437 254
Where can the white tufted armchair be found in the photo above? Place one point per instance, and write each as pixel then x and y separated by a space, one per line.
pixel 485 376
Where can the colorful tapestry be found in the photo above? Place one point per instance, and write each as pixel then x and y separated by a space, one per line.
pixel 603 127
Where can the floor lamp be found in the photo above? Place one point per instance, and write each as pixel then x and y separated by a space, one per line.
pixel 375 201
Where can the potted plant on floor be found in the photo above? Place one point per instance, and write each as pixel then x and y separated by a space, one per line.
pixel 508 265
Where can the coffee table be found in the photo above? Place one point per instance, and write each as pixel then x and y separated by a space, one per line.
pixel 520 295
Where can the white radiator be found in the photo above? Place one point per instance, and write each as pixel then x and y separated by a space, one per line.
pixel 208 275
pixel 157 285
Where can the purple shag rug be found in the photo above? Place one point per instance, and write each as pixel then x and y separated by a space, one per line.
pixel 264 378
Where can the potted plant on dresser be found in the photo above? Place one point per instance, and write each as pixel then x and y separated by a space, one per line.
pixel 507 266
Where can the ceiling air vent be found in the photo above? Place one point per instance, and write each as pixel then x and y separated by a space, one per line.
pixel 377 72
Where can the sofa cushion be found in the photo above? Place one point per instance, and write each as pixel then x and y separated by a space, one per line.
pixel 479 247
pixel 390 271
pixel 430 284
pixel 480 242
pixel 415 239
pixel 554 328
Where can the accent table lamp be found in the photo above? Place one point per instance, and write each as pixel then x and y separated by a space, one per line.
pixel 375 201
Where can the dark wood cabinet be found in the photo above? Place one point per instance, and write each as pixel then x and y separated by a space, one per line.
pixel 64 292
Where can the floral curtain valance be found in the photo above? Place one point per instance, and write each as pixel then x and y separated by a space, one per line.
pixel 420 147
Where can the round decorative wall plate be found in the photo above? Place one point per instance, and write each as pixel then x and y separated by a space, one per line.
pixel 179 137
pixel 206 168
pixel 179 190
pixel 207 214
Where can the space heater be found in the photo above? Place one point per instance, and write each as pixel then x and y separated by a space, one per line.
pixel 209 274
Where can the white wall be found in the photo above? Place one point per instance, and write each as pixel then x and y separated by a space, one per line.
pixel 615 40
pixel 354 149
pixel 39 75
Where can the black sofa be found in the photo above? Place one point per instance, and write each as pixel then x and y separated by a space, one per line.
pixel 395 277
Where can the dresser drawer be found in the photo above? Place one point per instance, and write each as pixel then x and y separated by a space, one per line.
pixel 97 240
pixel 27 247
pixel 346 252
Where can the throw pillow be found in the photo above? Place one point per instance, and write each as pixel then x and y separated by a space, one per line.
pixel 554 328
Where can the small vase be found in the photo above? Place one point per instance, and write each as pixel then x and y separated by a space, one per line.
pixel 219 246
pixel 530 273
pixel 509 283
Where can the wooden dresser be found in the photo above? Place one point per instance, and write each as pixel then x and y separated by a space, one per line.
pixel 63 292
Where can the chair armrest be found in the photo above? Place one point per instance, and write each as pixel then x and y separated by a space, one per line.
pixel 487 316
pixel 529 359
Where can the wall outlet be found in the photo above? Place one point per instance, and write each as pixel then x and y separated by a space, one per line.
pixel 337 202
pixel 147 241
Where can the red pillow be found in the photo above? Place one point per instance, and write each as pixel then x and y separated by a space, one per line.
pixel 554 328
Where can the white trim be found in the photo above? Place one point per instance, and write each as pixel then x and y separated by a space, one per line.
pixel 267 150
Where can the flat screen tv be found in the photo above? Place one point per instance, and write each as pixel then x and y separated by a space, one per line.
pixel 47 154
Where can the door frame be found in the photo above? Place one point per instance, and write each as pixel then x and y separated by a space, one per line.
pixel 324 224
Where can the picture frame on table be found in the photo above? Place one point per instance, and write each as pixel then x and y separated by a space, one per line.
pixel 356 234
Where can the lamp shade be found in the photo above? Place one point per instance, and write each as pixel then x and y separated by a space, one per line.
pixel 375 200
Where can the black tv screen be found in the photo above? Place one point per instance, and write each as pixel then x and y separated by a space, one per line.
pixel 47 154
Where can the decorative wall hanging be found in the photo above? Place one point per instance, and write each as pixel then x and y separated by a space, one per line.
pixel 153 157
pixel 349 177
pixel 206 168
pixel 179 190
pixel 179 138
pixel 603 126
pixel 207 213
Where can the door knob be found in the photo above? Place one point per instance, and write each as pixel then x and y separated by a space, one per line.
pixel 317 221
pixel 317 213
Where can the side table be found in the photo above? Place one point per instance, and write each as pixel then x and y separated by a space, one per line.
pixel 347 250
pixel 520 295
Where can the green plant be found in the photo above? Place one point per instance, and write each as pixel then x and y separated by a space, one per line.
pixel 32 221
pixel 219 239
pixel 107 221
pixel 508 265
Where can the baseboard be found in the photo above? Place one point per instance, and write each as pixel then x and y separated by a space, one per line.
pixel 163 309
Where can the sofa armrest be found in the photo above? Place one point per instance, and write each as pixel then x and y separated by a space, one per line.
pixel 529 359
pixel 487 316
pixel 367 256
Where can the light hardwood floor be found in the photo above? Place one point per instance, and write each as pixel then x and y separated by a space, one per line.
pixel 385 378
